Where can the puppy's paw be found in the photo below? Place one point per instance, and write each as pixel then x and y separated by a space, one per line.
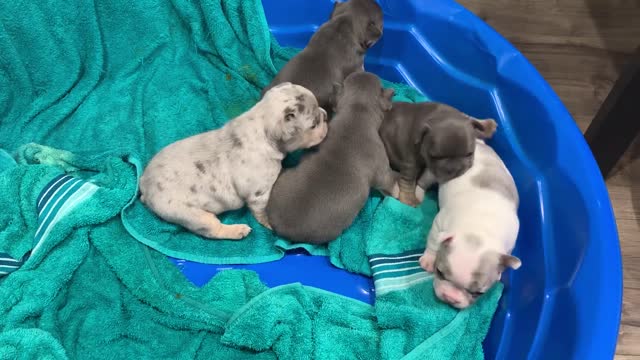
pixel 408 198
pixel 234 232
pixel 427 261
pixel 419 194
pixel 265 223
pixel 395 191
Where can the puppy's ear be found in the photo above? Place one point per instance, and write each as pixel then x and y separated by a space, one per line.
pixel 510 261
pixel 386 95
pixel 444 238
pixel 484 129
pixel 282 84
pixel 423 129
pixel 336 9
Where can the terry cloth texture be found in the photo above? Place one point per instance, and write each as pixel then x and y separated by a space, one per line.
pixel 92 291
pixel 102 87
pixel 137 76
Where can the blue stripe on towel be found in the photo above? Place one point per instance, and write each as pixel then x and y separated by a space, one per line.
pixel 393 272
pixel 61 195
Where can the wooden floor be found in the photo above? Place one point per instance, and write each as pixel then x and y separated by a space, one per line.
pixel 579 47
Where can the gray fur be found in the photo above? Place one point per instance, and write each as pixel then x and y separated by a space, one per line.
pixel 473 240
pixel 336 50
pixel 433 137
pixel 200 166
pixel 317 200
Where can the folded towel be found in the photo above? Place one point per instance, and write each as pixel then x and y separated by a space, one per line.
pixel 414 322
pixel 88 287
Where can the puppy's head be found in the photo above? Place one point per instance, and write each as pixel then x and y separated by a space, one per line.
pixel 367 18
pixel 297 122
pixel 447 145
pixel 464 269
pixel 366 89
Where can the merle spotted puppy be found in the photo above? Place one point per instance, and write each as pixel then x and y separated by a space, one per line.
pixel 190 181
pixel 336 50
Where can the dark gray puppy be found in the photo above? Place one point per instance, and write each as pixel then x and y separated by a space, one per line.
pixel 431 141
pixel 336 50
pixel 317 200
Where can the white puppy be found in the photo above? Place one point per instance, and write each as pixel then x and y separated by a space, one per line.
pixel 473 234
pixel 190 181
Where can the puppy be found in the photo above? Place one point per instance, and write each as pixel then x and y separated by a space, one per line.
pixel 472 236
pixel 430 140
pixel 190 181
pixel 317 200
pixel 336 49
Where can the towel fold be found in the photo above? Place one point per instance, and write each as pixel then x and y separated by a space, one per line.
pixel 92 288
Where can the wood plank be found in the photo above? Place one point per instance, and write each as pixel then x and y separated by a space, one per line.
pixel 628 343
pixel 598 24
pixel 631 307
pixel 581 77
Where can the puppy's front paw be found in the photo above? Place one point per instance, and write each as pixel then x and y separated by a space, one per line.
pixel 419 194
pixel 408 198
pixel 395 191
pixel 264 223
pixel 427 261
pixel 235 232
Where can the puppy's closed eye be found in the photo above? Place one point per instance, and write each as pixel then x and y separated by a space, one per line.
pixel 441 157
pixel 475 294
pixel 289 116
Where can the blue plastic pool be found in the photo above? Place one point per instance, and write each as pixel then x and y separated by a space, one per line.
pixel 565 301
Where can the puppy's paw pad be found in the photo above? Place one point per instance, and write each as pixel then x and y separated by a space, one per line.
pixel 413 202
pixel 427 262
pixel 237 232
pixel 419 193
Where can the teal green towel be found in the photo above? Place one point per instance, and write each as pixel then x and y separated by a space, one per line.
pixel 111 83
pixel 137 76
pixel 88 288
pixel 413 321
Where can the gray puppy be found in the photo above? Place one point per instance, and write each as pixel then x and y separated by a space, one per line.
pixel 336 50
pixel 192 180
pixel 431 141
pixel 318 199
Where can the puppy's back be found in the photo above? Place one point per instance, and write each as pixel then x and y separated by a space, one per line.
pixel 321 62
pixel 315 201
pixel 488 181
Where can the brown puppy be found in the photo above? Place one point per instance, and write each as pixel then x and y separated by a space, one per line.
pixel 430 140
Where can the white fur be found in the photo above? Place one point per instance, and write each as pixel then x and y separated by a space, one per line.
pixel 194 179
pixel 469 209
